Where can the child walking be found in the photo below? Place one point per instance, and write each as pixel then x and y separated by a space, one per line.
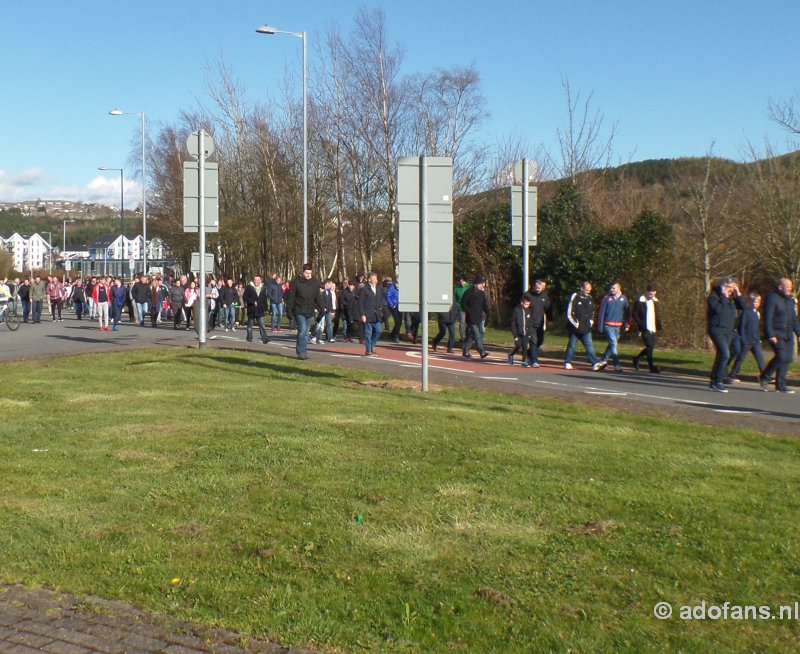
pixel 522 331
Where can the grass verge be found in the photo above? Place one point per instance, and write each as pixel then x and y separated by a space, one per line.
pixel 245 491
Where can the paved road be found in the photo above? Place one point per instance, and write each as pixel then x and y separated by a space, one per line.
pixel 680 395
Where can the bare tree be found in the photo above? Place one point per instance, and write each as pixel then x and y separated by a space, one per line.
pixel 708 225
pixel 381 105
pixel 449 109
pixel 773 212
pixel 583 145
pixel 786 113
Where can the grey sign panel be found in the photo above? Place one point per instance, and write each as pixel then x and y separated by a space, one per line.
pixel 209 261
pixel 191 196
pixel 516 215
pixel 439 181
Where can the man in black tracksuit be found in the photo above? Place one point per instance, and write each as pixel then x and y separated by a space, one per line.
pixel 580 318
pixel 475 307
pixel 781 327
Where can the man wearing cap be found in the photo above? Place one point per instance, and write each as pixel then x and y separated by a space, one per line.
pixel 475 307
pixel 724 301
pixel 782 328
pixel 303 300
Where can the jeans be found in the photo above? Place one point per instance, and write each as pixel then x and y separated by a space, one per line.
pixel 722 345
pixel 755 348
pixel 55 307
pixel 78 308
pixel 474 334
pixel 26 310
pixel 303 323
pixel 36 306
pixel 229 316
pixel 649 340
pixel 141 311
pixel 116 314
pixel 262 330
pixel 276 315
pixel 395 313
pixel 586 339
pixel 612 334
pixel 779 364
pixel 372 332
pixel 450 330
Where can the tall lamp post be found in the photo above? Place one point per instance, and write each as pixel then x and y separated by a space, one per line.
pixel 64 247
pixel 121 199
pixel 119 112
pixel 267 29
pixel 50 245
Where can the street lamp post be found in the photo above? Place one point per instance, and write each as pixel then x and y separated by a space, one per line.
pixel 121 199
pixel 267 29
pixel 119 112
pixel 64 248
pixel 50 245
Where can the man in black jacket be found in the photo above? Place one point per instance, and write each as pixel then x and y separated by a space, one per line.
pixel 723 303
pixel 541 311
pixel 303 301
pixel 370 307
pixel 781 327
pixel 255 298
pixel 227 300
pixel 475 307
pixel 647 315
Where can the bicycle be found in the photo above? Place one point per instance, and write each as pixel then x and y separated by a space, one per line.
pixel 9 316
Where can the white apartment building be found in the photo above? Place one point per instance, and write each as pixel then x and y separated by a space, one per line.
pixel 29 252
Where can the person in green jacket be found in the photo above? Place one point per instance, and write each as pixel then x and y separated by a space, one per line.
pixel 38 294
pixel 460 288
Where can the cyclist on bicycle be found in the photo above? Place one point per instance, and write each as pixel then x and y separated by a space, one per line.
pixel 5 298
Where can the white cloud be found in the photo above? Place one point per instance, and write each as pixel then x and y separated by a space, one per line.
pixel 34 184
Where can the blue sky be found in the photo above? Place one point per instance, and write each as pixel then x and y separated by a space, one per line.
pixel 674 76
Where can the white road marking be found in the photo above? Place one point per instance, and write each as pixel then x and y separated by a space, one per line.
pixel 604 393
pixel 500 378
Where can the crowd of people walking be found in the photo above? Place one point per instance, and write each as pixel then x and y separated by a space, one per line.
pixel 360 309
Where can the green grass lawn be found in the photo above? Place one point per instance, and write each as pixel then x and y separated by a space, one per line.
pixel 304 503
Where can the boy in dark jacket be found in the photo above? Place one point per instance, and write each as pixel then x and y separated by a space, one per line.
pixel 750 337
pixel 524 334
pixel 475 307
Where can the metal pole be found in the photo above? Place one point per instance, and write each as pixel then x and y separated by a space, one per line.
pixel 200 323
pixel 64 247
pixel 121 205
pixel 525 257
pixel 423 266
pixel 305 150
pixel 144 204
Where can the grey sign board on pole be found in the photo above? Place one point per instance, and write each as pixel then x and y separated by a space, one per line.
pixel 191 196
pixel 516 215
pixel 209 262
pixel 439 205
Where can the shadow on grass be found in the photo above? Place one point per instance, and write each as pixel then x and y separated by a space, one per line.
pixel 246 365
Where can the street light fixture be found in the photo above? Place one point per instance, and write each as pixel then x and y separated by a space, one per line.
pixel 119 112
pixel 121 199
pixel 268 29
pixel 50 245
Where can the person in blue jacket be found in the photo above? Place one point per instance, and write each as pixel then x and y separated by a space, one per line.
pixel 782 329
pixel 724 302
pixel 749 337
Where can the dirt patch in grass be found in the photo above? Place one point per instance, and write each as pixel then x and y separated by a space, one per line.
pixel 404 384
pixel 594 528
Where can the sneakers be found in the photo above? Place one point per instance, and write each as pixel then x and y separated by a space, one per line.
pixel 484 355
pixel 333 340
pixel 535 365
pixel 600 365
pixel 719 388
pixel 636 364
pixel 313 339
pixel 466 355
pixel 787 391
pixel 567 366
pixel 764 383
pixel 617 368
pixel 525 364
pixel 733 379
pixel 511 361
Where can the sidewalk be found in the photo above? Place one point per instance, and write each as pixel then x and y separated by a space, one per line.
pixel 45 621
